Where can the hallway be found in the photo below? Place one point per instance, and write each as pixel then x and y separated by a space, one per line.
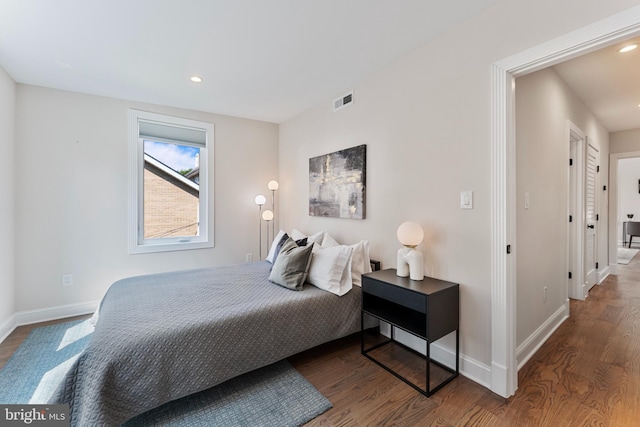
pixel 588 372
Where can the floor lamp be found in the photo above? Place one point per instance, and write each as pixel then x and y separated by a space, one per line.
pixel 273 186
pixel 267 215
pixel 260 200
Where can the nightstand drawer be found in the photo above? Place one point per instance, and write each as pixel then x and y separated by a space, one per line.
pixel 394 294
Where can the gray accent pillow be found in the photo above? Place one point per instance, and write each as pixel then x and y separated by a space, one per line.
pixel 300 242
pixel 291 266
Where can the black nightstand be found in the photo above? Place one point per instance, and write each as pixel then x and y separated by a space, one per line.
pixel 427 309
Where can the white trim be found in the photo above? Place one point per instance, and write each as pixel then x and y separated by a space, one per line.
pixel 532 344
pixel 205 238
pixel 616 28
pixel 29 317
pixel 576 266
pixel 604 273
pixel 469 367
pixel 7 327
pixel 503 298
pixel 446 355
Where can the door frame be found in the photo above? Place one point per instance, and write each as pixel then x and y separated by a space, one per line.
pixel 575 234
pixel 616 28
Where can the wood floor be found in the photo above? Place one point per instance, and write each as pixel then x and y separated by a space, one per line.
pixel 587 374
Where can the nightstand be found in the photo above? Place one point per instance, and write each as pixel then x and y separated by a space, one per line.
pixel 428 309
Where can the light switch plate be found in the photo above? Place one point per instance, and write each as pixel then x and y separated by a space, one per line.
pixel 67 279
pixel 466 200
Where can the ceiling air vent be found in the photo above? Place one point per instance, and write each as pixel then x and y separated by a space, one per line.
pixel 343 101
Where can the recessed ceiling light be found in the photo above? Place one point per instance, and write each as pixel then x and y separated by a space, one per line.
pixel 628 48
pixel 196 79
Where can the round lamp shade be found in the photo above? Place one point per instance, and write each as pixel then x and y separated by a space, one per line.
pixel 267 215
pixel 410 234
pixel 273 185
pixel 260 200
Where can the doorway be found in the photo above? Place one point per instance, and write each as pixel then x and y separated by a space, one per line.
pixel 600 34
pixel 575 238
pixel 618 191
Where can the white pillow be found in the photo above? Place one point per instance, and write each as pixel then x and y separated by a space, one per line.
pixel 315 238
pixel 331 269
pixel 274 244
pixel 328 241
pixel 360 261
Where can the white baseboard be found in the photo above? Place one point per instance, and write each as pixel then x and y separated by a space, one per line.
pixel 603 274
pixel 474 370
pixel 28 317
pixel 7 327
pixel 527 349
pixel 500 380
pixel 613 269
pixel 469 367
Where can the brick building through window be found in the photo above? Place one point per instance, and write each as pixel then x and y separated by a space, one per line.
pixel 171 201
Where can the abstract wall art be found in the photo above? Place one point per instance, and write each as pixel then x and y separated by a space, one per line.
pixel 337 184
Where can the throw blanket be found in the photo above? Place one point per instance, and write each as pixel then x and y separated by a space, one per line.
pixel 164 336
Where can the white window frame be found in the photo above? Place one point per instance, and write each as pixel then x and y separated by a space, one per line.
pixel 137 243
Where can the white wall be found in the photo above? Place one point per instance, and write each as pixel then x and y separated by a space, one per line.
pixel 426 122
pixel 625 141
pixel 624 145
pixel 7 216
pixel 544 103
pixel 71 192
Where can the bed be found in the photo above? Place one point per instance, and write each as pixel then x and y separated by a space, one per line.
pixel 164 336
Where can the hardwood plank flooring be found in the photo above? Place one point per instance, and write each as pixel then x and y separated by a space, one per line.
pixel 586 374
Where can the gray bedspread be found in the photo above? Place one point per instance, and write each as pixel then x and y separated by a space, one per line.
pixel 164 336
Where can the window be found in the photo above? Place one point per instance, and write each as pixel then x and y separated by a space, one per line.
pixel 170 207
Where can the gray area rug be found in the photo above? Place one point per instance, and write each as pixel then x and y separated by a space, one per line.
pixel 625 255
pixel 273 395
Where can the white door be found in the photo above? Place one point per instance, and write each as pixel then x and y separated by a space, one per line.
pixel 591 222
pixel 577 218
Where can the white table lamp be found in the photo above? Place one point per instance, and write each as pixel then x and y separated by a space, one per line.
pixel 410 261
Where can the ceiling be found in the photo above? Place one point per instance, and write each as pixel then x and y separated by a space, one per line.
pixel 608 82
pixel 266 60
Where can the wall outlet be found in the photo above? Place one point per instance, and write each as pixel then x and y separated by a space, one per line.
pixel 67 279
pixel 249 258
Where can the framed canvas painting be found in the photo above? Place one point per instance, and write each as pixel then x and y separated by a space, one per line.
pixel 337 184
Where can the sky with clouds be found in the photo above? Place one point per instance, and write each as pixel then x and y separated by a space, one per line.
pixel 177 157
